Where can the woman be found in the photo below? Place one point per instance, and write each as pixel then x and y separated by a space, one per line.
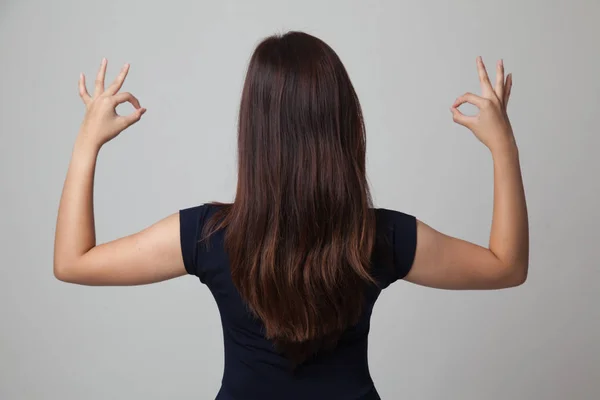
pixel 298 260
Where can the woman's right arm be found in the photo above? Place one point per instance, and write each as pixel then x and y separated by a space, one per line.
pixel 445 262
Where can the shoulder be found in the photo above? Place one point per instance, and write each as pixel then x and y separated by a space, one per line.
pixel 387 219
pixel 196 211
pixel 195 217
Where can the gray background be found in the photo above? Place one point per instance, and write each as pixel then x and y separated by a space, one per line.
pixel 408 60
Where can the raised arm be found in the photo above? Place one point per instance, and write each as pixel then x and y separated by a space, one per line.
pixel 445 262
pixel 151 255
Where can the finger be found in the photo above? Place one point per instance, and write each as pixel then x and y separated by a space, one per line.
pixel 507 89
pixel 99 89
pixel 83 93
pixel 484 79
pixel 462 119
pixel 127 97
pixel 499 87
pixel 132 118
pixel 469 98
pixel 118 83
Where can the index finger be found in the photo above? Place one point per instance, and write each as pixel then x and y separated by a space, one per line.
pixel 469 98
pixel 486 86
pixel 127 97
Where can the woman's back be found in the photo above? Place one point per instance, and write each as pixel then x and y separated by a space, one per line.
pixel 254 369
pixel 297 261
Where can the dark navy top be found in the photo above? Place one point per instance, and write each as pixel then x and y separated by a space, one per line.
pixel 253 369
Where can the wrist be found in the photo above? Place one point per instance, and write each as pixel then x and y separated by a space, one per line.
pixel 85 143
pixel 507 147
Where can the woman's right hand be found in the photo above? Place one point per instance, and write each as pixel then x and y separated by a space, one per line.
pixel 491 126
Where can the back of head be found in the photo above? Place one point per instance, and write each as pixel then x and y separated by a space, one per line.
pixel 301 229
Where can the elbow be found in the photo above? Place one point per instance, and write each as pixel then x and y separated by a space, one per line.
pixel 60 273
pixel 63 272
pixel 518 276
pixel 74 271
pixel 519 280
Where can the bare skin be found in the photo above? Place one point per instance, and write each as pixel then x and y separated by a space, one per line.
pixel 445 262
pixel 151 255
pixel 154 254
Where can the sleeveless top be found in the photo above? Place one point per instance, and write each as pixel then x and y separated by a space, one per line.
pixel 253 369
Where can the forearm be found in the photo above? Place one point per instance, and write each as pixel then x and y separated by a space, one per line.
pixel 75 231
pixel 509 239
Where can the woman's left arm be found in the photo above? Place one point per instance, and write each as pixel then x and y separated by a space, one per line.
pixel 152 255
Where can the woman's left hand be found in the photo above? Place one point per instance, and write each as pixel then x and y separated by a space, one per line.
pixel 101 122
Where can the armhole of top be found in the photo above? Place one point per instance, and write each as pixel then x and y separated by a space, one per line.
pixel 397 244
pixel 191 222
pixel 405 245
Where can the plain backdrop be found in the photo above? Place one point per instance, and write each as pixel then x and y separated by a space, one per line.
pixel 408 60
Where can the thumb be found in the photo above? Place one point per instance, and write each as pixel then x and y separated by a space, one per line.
pixel 132 118
pixel 461 119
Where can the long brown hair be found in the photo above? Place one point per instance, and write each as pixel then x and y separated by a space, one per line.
pixel 301 229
